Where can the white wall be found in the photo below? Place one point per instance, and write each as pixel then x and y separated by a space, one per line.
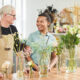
pixel 21 17
pixel 27 11
pixel 34 5
pixel 20 6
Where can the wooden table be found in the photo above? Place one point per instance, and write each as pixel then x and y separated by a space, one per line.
pixel 53 75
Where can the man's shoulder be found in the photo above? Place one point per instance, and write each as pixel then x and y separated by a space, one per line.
pixel 13 28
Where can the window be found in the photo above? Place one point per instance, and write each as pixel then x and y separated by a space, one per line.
pixel 20 6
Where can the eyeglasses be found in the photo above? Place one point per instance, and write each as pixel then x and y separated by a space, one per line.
pixel 12 15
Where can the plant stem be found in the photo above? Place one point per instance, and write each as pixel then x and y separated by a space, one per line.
pixel 71 61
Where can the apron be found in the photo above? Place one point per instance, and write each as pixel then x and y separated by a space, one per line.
pixel 6 50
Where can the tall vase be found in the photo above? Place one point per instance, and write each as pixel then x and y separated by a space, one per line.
pixel 43 65
pixel 43 68
pixel 20 66
pixel 71 64
pixel 58 64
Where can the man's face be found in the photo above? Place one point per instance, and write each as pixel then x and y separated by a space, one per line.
pixel 10 17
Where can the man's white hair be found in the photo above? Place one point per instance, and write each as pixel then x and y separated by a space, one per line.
pixel 6 9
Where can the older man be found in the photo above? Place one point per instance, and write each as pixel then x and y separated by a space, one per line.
pixel 8 36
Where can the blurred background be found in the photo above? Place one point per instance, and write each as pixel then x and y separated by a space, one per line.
pixel 27 11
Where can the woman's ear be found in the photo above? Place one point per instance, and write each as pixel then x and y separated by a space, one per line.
pixel 49 23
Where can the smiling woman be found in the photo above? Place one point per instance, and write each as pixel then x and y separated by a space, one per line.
pixel 43 39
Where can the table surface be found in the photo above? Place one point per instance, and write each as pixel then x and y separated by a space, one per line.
pixel 54 75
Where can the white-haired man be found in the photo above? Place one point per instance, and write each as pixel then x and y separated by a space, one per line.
pixel 7 39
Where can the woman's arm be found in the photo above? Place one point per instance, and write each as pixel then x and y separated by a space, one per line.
pixel 28 51
pixel 53 60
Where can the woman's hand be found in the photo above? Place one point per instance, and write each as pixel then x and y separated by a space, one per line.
pixel 27 51
pixel 36 67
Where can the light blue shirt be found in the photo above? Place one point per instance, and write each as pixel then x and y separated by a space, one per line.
pixel 37 42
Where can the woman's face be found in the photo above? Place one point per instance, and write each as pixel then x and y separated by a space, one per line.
pixel 42 23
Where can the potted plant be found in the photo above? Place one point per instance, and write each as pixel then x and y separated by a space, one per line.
pixel 44 52
pixel 70 40
pixel 19 46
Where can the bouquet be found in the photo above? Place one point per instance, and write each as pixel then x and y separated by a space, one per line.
pixel 70 40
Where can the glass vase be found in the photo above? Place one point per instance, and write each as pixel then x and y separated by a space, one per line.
pixel 71 64
pixel 20 66
pixel 58 64
pixel 43 69
pixel 43 65
pixel 29 70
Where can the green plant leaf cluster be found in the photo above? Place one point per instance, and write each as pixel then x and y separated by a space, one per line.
pixel 70 40
pixel 58 49
pixel 18 44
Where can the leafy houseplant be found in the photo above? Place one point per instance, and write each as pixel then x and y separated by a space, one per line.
pixel 43 52
pixel 44 61
pixel 70 40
